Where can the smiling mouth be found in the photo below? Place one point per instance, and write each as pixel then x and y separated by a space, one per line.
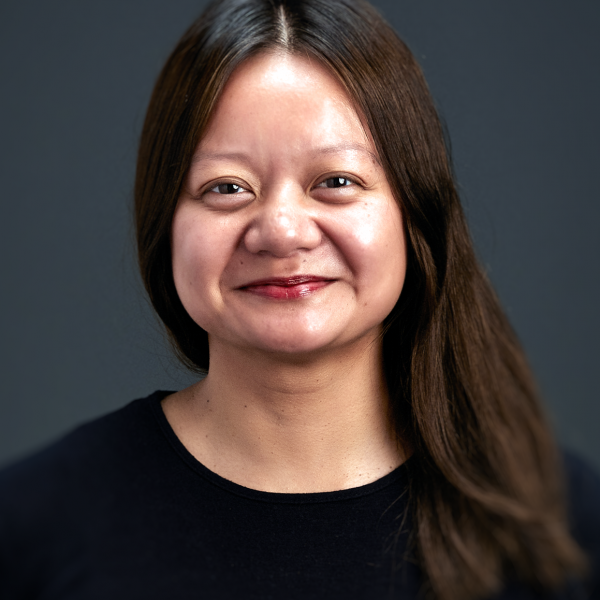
pixel 287 288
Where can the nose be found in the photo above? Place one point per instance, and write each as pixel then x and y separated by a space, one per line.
pixel 283 225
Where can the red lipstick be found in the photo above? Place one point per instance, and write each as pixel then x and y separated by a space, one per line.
pixel 287 288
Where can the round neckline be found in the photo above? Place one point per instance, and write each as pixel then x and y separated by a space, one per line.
pixel 397 475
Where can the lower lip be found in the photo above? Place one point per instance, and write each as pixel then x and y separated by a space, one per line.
pixel 287 292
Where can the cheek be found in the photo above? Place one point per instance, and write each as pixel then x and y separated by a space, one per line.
pixel 373 243
pixel 196 255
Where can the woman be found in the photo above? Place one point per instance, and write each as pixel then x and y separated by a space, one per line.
pixel 368 426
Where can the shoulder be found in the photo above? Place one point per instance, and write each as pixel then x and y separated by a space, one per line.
pixel 82 456
pixel 55 504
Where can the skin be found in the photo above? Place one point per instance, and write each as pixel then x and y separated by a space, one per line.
pixel 286 184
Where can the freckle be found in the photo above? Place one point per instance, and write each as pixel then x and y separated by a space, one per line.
pixel 365 304
pixel 207 401
pixel 245 406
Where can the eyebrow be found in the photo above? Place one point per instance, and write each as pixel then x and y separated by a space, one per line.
pixel 242 157
pixel 201 156
pixel 344 147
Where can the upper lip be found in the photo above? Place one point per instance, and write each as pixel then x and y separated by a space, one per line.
pixel 287 281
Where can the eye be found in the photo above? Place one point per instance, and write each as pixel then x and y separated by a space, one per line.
pixel 228 189
pixel 225 195
pixel 335 182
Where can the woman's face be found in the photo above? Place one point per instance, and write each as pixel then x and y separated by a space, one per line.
pixel 286 237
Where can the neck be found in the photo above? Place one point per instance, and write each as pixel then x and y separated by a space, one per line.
pixel 317 424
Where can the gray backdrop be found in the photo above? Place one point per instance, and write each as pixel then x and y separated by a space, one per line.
pixel 516 82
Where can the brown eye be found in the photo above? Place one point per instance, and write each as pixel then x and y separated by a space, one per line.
pixel 228 188
pixel 336 182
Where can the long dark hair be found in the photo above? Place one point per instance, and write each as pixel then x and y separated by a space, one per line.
pixel 486 491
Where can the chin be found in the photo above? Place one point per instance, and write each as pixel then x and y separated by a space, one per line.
pixel 293 342
pixel 293 347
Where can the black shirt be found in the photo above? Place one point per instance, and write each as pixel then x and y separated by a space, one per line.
pixel 120 509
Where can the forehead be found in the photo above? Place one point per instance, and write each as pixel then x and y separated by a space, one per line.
pixel 289 99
